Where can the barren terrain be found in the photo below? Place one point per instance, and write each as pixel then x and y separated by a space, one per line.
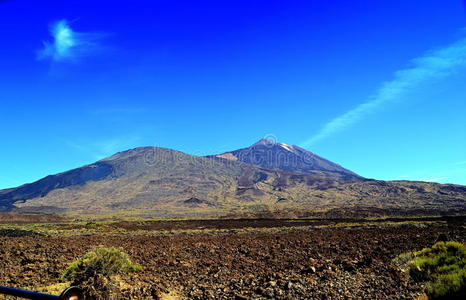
pixel 242 259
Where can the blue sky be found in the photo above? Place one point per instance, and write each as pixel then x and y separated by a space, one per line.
pixel 376 86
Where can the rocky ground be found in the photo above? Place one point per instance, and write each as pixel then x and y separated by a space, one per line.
pixel 324 260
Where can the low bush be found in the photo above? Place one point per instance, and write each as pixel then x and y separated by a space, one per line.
pixel 442 267
pixel 102 260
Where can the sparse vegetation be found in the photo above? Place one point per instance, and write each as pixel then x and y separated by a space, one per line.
pixel 206 259
pixel 102 260
pixel 442 267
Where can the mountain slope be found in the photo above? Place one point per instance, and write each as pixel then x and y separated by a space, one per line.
pixel 271 155
pixel 166 183
pixel 138 178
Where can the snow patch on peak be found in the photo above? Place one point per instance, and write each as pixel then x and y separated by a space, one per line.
pixel 287 147
pixel 264 141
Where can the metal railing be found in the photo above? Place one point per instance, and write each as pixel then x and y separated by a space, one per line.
pixel 72 293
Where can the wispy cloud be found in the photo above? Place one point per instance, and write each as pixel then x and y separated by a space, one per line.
pixel 460 163
pixel 433 65
pixel 104 147
pixel 437 179
pixel 67 44
pixel 444 173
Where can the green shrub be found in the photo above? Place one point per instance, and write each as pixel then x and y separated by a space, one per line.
pixel 101 260
pixel 442 267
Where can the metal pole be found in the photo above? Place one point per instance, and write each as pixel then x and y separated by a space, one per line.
pixel 27 294
pixel 71 293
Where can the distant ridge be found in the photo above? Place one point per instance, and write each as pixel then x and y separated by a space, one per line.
pixel 267 179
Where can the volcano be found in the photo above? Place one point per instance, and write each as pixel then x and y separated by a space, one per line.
pixel 266 179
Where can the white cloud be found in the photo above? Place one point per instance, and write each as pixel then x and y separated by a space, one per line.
pixel 437 179
pixel 442 174
pixel 433 65
pixel 67 44
pixel 105 147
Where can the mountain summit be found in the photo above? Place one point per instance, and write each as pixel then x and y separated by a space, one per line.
pixel 269 154
pixel 266 179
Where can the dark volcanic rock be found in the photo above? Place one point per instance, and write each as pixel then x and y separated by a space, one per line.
pixel 17 233
pixel 196 201
pixel 329 263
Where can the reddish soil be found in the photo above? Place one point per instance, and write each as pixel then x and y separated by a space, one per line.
pixel 335 263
